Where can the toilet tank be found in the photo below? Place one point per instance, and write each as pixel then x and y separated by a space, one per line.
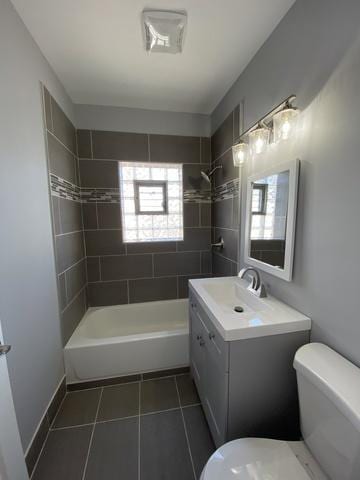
pixel 329 398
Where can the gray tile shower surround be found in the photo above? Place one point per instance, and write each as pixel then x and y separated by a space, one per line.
pixel 94 266
pixel 145 430
pixel 66 216
pixel 225 196
pixel 127 273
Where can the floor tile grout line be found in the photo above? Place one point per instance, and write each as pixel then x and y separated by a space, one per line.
pixel 185 430
pixel 67 427
pixel 92 435
pixel 139 415
pixel 103 386
pixel 161 378
pixel 117 419
pixel 127 383
pixel 146 414
pixel 165 376
pixel 191 405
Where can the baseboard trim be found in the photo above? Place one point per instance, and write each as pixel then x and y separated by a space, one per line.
pixel 104 382
pixel 36 444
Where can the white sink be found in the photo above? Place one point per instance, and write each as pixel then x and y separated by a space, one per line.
pixel 260 316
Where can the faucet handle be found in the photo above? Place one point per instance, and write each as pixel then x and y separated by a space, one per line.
pixel 219 244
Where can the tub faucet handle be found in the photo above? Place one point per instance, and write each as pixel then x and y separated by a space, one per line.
pixel 219 244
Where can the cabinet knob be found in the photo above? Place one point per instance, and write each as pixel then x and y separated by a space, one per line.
pixel 211 335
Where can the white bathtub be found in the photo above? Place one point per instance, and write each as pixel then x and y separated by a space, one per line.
pixel 127 339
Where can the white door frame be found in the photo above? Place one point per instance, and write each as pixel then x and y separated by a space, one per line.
pixel 12 461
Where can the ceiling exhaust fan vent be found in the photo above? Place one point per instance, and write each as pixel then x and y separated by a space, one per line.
pixel 164 30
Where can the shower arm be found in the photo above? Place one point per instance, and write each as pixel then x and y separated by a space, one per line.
pixel 213 170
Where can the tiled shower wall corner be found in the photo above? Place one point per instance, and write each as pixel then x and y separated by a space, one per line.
pixel 226 198
pixel 66 215
pixel 121 273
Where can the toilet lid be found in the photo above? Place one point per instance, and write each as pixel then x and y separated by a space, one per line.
pixel 254 459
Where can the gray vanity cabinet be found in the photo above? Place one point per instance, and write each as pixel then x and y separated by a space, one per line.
pixel 247 387
pixel 210 373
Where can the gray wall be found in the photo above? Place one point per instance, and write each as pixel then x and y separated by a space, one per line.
pixel 139 272
pixel 28 297
pixel 121 119
pixel 315 53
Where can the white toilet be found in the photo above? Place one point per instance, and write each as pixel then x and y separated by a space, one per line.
pixel 329 396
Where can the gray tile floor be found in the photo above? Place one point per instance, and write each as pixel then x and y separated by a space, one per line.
pixel 149 430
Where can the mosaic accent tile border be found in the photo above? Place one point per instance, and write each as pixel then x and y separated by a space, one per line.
pixel 64 189
pixel 227 190
pixel 197 196
pixel 103 195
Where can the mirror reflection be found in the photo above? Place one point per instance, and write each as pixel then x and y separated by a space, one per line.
pixel 269 208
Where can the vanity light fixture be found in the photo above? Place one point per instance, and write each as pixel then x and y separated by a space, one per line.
pixel 279 124
pixel 240 153
pixel 284 122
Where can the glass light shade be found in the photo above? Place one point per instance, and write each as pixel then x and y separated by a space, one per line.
pixel 239 152
pixel 258 140
pixel 284 123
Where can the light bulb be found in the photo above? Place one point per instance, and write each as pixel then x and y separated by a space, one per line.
pixel 259 145
pixel 285 123
pixel 239 152
pixel 258 140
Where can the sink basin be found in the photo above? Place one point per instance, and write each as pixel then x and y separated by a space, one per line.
pixel 260 316
pixel 228 293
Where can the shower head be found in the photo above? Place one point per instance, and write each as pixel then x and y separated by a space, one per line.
pixel 207 176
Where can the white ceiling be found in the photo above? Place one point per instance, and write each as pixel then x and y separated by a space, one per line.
pixel 96 49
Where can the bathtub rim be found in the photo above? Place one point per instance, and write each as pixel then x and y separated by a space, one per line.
pixel 78 341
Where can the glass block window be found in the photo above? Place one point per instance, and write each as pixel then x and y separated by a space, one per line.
pixel 259 199
pixel 151 201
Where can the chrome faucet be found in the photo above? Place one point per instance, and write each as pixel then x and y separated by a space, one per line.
pixel 256 286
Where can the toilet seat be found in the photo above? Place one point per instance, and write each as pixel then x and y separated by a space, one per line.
pixel 261 459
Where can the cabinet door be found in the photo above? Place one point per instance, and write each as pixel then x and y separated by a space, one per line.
pixel 216 397
pixel 197 352
pixel 209 365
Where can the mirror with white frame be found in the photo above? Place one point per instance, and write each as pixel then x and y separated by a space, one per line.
pixel 270 219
